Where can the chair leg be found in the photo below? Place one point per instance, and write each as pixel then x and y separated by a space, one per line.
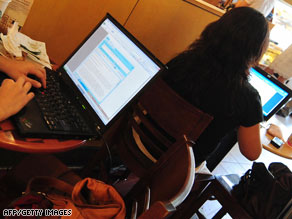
pixel 229 203
pixel 200 215
pixel 187 209
pixel 220 214
pixel 215 188
pixel 193 204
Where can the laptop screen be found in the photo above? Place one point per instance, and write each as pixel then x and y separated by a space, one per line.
pixel 110 69
pixel 273 93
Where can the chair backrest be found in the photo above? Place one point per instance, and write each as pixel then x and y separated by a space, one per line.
pixel 168 116
pixel 166 185
pixel 160 119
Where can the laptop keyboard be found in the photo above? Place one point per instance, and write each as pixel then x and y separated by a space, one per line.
pixel 58 112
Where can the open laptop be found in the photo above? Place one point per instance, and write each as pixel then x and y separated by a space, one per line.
pixel 273 93
pixel 97 82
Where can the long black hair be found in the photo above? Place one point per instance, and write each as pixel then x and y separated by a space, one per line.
pixel 222 55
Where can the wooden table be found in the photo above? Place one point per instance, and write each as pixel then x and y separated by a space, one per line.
pixel 9 139
pixel 285 125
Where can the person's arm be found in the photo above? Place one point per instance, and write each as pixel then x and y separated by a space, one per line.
pixel 16 69
pixel 14 96
pixel 249 141
pixel 241 3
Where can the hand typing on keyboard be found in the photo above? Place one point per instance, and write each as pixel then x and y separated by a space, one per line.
pixel 15 69
pixel 14 96
pixel 35 88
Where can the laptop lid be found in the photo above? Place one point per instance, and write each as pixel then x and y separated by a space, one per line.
pixel 273 93
pixel 107 71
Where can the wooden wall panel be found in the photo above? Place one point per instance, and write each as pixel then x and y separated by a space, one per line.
pixel 63 24
pixel 167 27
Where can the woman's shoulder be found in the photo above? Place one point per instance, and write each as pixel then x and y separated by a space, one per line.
pixel 248 89
pixel 249 97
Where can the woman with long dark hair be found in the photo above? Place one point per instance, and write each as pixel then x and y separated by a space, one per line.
pixel 212 74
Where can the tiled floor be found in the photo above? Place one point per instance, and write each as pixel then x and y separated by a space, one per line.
pixel 235 162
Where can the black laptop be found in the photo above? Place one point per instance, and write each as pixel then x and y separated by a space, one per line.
pixel 273 93
pixel 93 86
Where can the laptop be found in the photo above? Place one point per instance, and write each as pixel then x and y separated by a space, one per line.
pixel 97 83
pixel 273 93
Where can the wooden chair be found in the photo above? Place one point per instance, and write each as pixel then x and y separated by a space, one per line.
pixel 165 186
pixel 220 189
pixel 160 119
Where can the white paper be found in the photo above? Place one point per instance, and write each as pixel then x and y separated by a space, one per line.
pixel 10 42
pixel 15 43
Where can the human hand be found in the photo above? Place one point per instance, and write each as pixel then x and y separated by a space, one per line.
pixel 16 69
pixel 14 96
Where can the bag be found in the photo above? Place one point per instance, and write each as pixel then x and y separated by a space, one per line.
pixel 264 192
pixel 15 181
pixel 89 198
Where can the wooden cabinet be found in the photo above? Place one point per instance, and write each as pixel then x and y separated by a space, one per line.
pixel 63 24
pixel 165 27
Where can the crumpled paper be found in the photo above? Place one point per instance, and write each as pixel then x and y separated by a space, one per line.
pixel 15 43
pixel 10 41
